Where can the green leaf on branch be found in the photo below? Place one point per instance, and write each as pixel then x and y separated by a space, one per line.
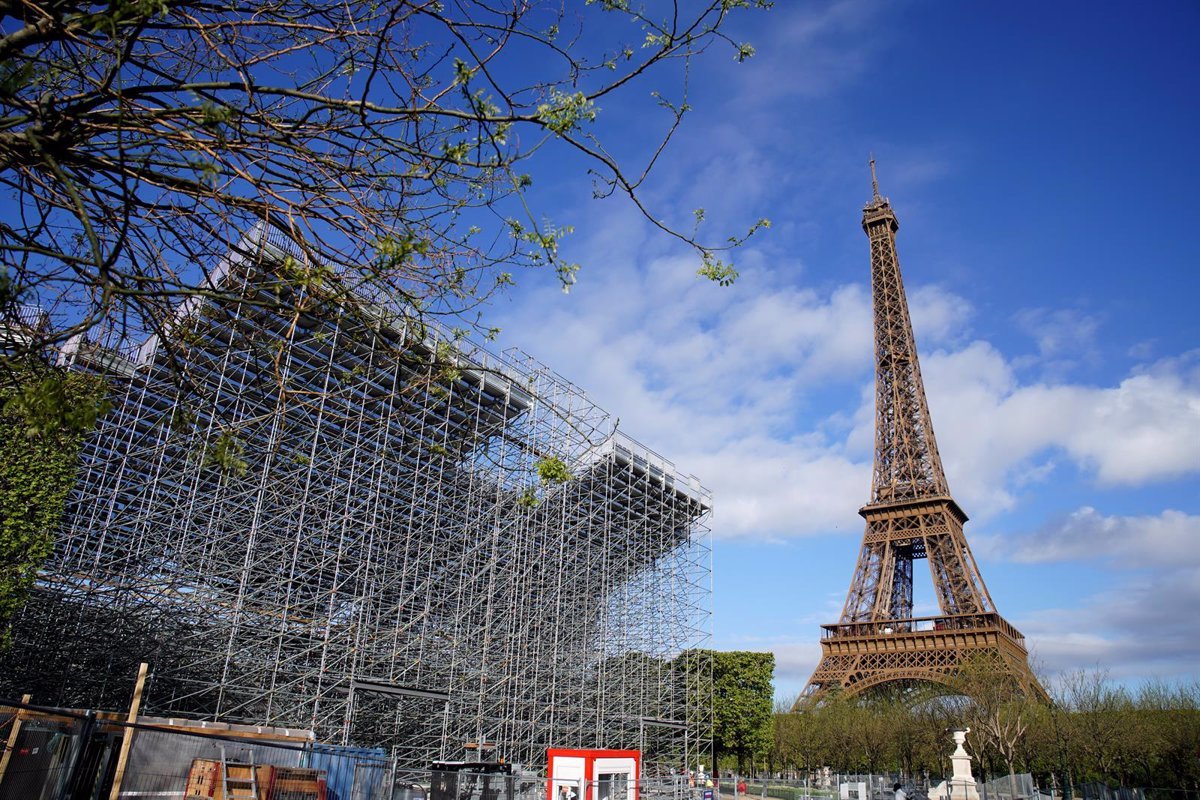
pixel 566 272
pixel 213 115
pixel 462 72
pixel 564 112
pixel 226 454
pixel 397 250
pixel 717 271
pixel 446 355
pixel 610 5
pixel 52 404
pixel 552 470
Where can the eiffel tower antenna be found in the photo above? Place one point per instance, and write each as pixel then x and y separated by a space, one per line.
pixel 910 516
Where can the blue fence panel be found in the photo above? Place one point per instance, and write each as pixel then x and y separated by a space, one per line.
pixel 352 773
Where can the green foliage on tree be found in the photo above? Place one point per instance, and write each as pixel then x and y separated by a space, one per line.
pixel 742 705
pixel 44 414
pixel 225 454
pixel 552 470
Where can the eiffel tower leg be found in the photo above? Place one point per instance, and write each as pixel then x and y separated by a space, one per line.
pixel 864 585
pixel 946 568
pixel 902 583
pixel 881 608
pixel 956 577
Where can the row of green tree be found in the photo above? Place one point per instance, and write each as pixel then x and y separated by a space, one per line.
pixel 1092 730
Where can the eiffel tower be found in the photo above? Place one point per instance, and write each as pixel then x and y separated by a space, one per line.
pixel 910 516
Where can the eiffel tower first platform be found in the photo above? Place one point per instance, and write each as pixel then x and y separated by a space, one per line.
pixel 910 516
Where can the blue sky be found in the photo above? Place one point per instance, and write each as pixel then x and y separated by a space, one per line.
pixel 1042 161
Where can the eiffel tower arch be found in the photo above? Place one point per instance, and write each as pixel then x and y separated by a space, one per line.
pixel 911 516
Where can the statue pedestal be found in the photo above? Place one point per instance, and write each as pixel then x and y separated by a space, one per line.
pixel 961 785
pixel 961 790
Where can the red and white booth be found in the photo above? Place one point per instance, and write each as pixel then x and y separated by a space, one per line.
pixel 592 774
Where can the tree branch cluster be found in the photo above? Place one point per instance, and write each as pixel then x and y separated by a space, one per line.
pixel 141 139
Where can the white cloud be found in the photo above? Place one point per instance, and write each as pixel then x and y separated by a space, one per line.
pixel 1169 539
pixel 715 379
pixel 995 434
pixel 797 329
pixel 1134 627
pixel 794 662
pixel 1148 427
pixel 1060 333
pixel 1133 619
pixel 809 52
pixel 768 489
pixel 938 316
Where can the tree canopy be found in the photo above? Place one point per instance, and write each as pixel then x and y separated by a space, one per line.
pixel 395 143
pixel 1092 731
pixel 742 705
pixel 39 445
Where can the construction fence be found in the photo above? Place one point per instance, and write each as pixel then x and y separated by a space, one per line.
pixel 60 754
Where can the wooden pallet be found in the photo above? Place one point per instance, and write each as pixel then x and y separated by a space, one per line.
pixel 274 783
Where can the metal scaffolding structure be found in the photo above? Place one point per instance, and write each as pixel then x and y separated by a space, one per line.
pixel 342 519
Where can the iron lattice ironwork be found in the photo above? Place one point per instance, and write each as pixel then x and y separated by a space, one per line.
pixel 910 516
pixel 351 533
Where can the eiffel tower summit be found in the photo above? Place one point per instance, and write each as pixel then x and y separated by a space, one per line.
pixel 910 516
